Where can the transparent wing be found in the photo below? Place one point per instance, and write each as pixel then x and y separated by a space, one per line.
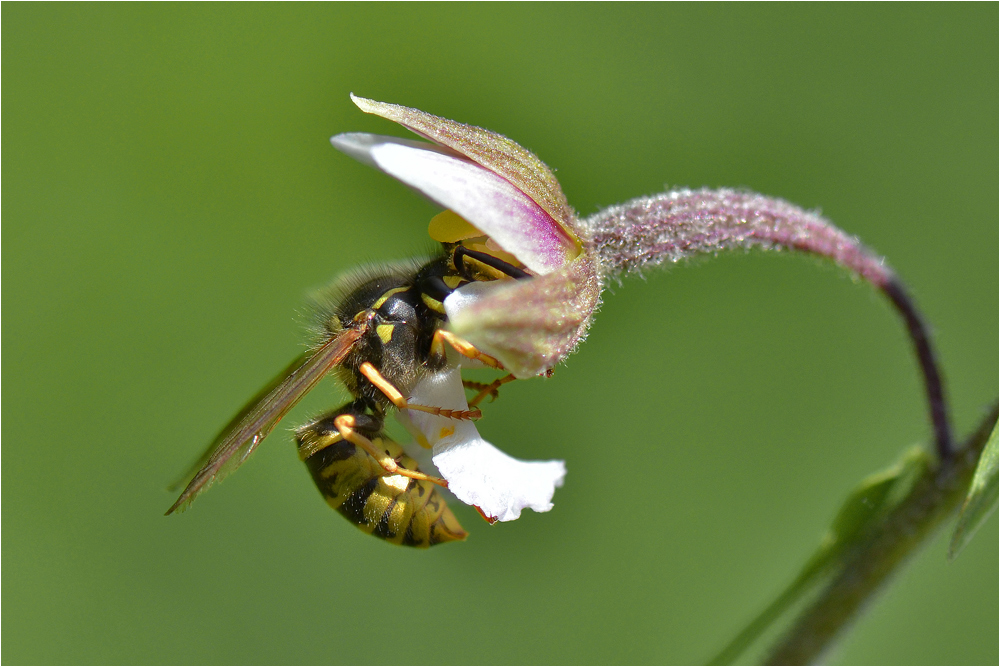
pixel 252 424
pixel 224 432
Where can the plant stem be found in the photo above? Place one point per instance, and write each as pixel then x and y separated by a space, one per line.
pixel 870 563
pixel 684 223
pixel 928 365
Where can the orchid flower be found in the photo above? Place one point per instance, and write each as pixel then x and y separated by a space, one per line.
pixel 498 189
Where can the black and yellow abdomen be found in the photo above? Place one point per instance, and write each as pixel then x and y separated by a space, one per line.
pixel 398 509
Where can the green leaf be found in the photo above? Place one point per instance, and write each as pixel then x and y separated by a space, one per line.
pixel 870 500
pixel 876 494
pixel 981 499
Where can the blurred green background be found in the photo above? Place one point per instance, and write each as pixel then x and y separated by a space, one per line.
pixel 170 195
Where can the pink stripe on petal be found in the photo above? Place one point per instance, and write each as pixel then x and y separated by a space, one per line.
pixel 493 151
pixel 518 224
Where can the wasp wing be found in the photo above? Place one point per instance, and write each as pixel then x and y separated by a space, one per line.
pixel 189 474
pixel 252 424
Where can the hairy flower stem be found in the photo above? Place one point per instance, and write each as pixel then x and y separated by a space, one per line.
pixel 866 567
pixel 683 223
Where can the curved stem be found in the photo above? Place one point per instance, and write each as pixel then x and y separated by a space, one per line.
pixel 933 383
pixel 683 223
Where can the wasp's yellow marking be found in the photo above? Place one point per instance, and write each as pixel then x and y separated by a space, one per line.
pixel 449 227
pixel 384 332
pixel 433 304
pixel 307 449
pixel 385 297
pixel 452 281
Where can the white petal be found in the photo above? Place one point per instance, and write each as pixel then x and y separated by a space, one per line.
pixel 442 390
pixel 478 473
pixel 488 201
pixel 499 485
pixel 359 145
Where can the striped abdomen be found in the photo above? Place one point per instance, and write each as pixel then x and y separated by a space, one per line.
pixel 398 509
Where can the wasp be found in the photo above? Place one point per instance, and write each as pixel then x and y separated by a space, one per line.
pixel 380 330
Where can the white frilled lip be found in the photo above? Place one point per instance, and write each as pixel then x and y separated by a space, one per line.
pixel 487 200
pixel 478 473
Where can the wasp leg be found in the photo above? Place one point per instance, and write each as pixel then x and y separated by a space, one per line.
pixel 397 398
pixel 481 386
pixel 346 426
pixel 491 389
pixel 463 347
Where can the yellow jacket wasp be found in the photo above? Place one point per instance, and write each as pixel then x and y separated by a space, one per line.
pixel 381 331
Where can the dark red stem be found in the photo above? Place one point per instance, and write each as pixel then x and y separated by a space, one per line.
pixel 928 365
